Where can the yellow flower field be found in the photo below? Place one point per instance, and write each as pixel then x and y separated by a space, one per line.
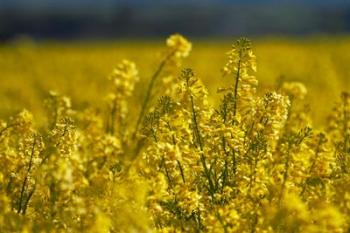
pixel 175 136
pixel 29 71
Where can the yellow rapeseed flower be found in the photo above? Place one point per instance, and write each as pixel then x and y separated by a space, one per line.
pixel 179 45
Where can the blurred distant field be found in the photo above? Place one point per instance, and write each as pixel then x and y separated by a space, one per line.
pixel 29 70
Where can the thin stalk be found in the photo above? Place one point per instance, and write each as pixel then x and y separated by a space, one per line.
pixel 113 113
pixel 28 199
pixel 319 143
pixel 225 172
pixel 181 171
pixel 149 91
pixel 201 147
pixel 24 184
pixel 236 83
pixel 285 174
pixel 234 166
pixel 254 165
pixel 154 134
pixel 178 162
pixel 172 136
pixel 199 220
pixel 167 173
pixel 221 222
pixel 223 140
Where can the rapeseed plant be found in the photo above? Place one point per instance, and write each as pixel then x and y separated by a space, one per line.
pixel 253 163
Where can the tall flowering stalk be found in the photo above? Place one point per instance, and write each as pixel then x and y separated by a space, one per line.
pixel 241 61
pixel 124 77
pixel 178 47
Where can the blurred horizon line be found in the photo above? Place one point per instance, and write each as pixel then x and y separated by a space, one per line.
pixel 117 19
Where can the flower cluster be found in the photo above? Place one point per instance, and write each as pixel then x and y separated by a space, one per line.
pixel 294 89
pixel 124 77
pixel 179 45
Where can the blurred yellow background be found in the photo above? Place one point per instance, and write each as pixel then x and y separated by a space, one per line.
pixel 80 69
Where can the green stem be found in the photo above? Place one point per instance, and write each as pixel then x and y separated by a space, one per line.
pixel 24 185
pixel 181 171
pixel 28 199
pixel 149 91
pixel 201 147
pixel 236 84
pixel 285 174
pixel 319 143
pixel 167 173
pixel 113 113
